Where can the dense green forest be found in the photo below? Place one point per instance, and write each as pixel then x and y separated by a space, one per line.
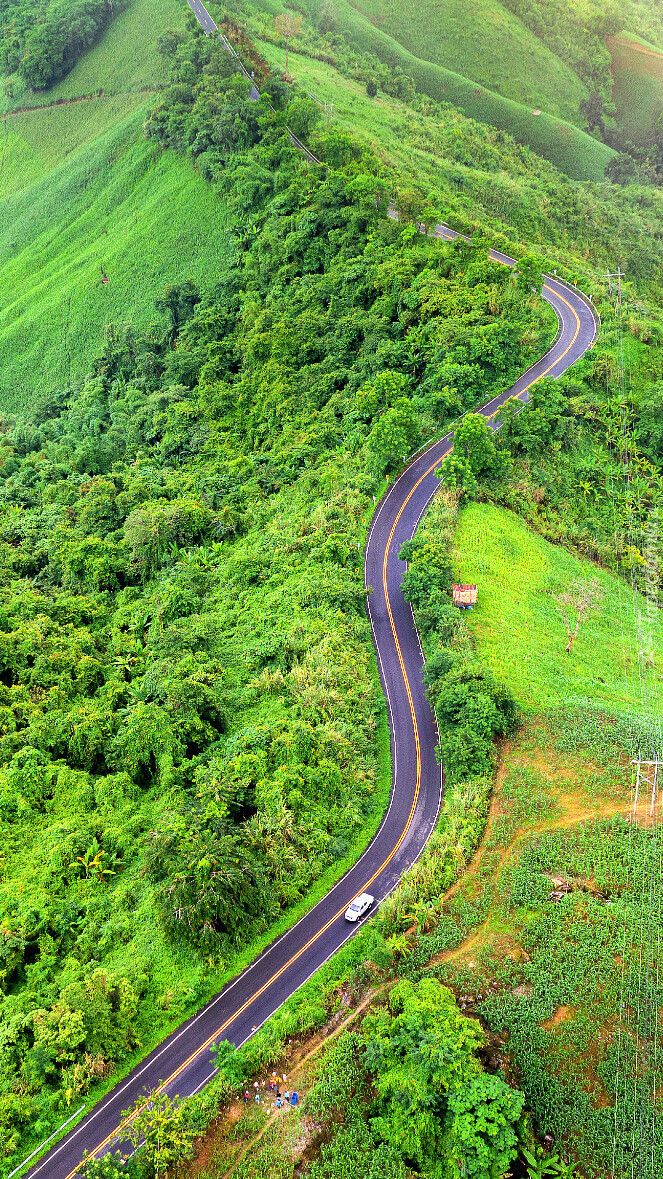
pixel 193 734
pixel 187 662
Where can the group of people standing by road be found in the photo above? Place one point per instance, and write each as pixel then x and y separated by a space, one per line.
pixel 281 1099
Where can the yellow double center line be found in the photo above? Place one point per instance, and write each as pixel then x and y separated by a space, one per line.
pixel 261 990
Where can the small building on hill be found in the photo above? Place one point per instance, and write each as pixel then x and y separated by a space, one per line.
pixel 465 596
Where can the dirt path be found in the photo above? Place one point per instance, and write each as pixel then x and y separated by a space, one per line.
pixel 622 42
pixel 608 811
pixel 47 106
pixel 294 1072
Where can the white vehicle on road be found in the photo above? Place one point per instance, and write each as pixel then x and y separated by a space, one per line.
pixel 359 906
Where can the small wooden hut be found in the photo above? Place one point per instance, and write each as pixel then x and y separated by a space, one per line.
pixel 465 596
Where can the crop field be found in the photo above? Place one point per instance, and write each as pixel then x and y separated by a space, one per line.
pixel 552 937
pixel 475 40
pixel 119 209
pixel 638 88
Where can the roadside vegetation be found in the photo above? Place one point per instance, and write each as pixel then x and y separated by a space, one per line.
pixel 193 741
pixel 183 532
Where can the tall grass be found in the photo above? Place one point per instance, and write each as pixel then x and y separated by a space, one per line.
pixel 143 216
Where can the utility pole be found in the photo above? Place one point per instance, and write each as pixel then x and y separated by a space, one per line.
pixel 647 777
pixel 619 274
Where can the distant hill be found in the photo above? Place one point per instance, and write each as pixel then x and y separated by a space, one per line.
pixel 486 43
pixel 637 69
pixel 571 149
pixel 83 198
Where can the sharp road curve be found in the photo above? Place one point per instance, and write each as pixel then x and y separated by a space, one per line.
pixel 183 1062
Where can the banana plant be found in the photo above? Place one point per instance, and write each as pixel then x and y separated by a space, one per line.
pixel 539 1164
pixel 92 862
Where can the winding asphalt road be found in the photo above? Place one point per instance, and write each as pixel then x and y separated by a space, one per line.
pixel 183 1064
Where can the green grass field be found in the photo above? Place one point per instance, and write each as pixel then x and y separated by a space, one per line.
pixel 476 40
pixel 124 65
pixel 33 143
pixel 144 216
pixel 565 145
pixel 637 68
pixel 518 627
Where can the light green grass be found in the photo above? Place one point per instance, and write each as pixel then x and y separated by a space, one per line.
pixel 124 60
pixel 34 143
pixel 566 146
pixel 637 94
pixel 478 40
pixel 145 216
pixel 518 627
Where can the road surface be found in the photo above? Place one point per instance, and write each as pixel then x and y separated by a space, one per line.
pixel 183 1062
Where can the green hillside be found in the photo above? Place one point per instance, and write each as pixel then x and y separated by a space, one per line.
pixel 565 145
pixel 194 742
pixel 85 197
pixel 476 40
pixel 637 69
pixel 116 209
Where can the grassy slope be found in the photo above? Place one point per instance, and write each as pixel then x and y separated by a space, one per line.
pixel 518 627
pixel 638 87
pixel 566 146
pixel 119 204
pixel 35 142
pixel 476 40
pixel 83 190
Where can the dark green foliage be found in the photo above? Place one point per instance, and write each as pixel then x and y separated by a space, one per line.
pixel 43 39
pixel 621 170
pixel 437 1106
pixel 471 709
pixel 474 456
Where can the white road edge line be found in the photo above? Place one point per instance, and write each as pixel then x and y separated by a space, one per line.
pixel 45 1143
